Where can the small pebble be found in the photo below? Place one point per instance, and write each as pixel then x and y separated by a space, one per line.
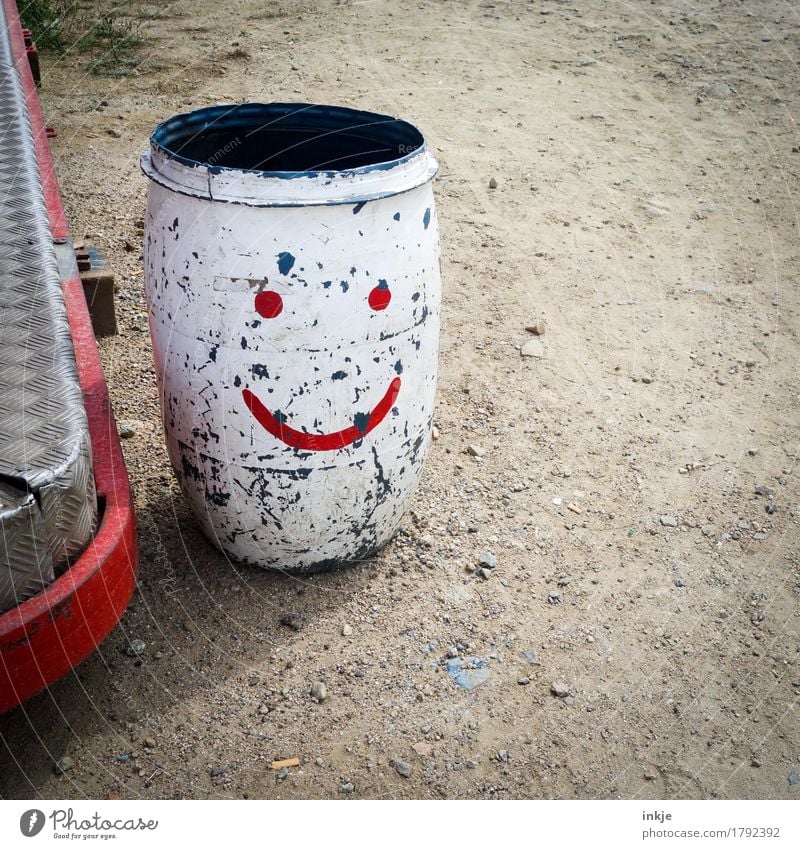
pixel 319 691
pixel 554 598
pixel 537 329
pixel 218 770
pixel 669 521
pixel 282 774
pixel 493 183
pixel 484 573
pixel 533 348
pixel 62 765
pixel 472 764
pixel 347 630
pixel 346 787
pixel 523 680
pixel 135 648
pixel 559 689
pixel 794 778
pixel 488 560
pixel 404 769
pixel 476 451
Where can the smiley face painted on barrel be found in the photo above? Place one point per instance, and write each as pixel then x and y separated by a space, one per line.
pixel 269 305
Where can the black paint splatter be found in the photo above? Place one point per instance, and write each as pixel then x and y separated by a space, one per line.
pixel 285 262
pixel 361 421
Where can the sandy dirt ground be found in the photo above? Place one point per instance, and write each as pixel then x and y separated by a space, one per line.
pixel 638 483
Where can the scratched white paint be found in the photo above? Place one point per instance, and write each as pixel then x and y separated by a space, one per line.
pixel 215 272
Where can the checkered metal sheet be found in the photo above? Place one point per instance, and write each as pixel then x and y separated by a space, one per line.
pixel 48 506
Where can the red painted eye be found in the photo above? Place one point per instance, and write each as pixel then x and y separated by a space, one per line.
pixel 380 296
pixel 269 304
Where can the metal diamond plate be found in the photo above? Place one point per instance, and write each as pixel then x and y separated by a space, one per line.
pixel 47 496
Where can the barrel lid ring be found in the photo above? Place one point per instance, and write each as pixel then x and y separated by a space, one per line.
pixel 287 154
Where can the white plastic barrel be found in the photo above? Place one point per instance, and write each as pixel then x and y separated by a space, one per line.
pixel 293 284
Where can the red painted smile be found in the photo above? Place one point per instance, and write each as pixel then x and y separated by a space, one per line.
pixel 320 441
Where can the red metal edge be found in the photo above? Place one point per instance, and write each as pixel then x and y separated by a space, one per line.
pixel 46 636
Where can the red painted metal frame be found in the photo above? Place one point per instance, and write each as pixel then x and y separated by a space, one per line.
pixel 46 636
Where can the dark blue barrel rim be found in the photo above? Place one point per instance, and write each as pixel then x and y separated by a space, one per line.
pixel 172 136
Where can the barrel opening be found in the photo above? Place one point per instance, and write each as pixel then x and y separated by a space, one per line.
pixel 293 138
